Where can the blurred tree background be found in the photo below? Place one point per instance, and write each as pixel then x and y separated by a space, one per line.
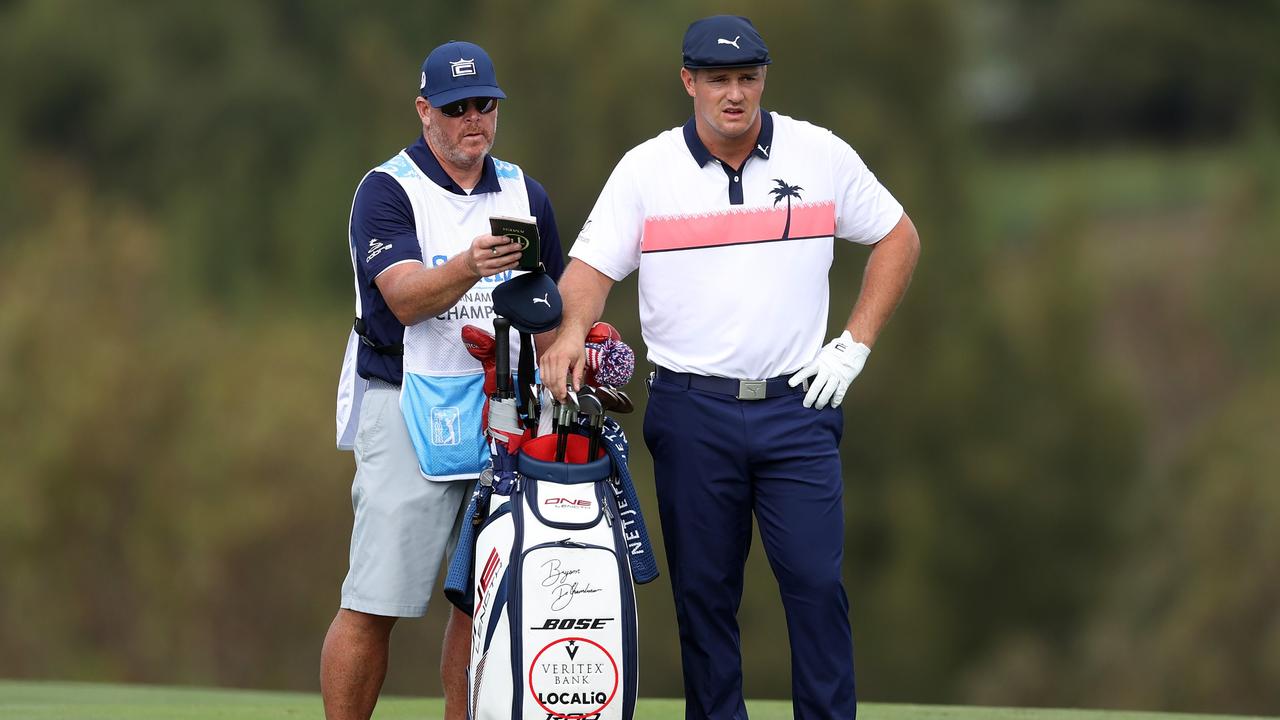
pixel 1060 460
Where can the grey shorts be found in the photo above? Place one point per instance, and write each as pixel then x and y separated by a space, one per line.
pixel 405 525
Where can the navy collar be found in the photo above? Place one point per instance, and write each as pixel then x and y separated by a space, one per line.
pixel 427 162
pixel 702 156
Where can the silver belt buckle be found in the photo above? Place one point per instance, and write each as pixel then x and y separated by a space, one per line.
pixel 751 389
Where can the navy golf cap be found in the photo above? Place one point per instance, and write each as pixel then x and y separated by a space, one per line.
pixel 723 41
pixel 530 301
pixel 458 70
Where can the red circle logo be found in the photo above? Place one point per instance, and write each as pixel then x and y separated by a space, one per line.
pixel 574 716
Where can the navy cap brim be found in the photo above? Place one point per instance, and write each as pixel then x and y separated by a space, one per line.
pixel 444 97
pixel 692 66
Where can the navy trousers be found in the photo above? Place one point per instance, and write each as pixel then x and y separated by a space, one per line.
pixel 718 461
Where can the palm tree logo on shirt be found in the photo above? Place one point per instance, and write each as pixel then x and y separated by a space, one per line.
pixel 785 191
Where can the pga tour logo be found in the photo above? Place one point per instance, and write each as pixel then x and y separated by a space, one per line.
pixel 444 426
pixel 462 67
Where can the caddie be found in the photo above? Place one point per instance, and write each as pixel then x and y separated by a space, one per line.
pixel 411 396
pixel 730 221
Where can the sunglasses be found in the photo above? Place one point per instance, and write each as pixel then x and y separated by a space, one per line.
pixel 484 106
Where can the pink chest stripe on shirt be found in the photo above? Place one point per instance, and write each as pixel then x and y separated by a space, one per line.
pixel 738 227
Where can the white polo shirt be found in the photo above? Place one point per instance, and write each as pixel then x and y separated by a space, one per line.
pixel 733 265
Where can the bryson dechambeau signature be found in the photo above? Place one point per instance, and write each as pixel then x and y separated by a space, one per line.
pixel 562 584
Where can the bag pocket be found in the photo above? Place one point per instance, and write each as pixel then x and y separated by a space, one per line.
pixel 444 418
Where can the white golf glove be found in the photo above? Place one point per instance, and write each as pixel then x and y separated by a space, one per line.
pixel 837 364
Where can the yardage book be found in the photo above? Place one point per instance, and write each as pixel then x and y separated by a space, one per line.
pixel 523 230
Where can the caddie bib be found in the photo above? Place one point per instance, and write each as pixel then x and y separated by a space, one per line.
pixel 442 395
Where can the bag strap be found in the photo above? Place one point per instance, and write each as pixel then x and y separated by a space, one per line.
pixel 391 349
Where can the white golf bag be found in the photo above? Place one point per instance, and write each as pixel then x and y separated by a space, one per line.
pixel 550 586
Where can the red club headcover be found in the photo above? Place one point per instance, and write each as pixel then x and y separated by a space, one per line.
pixel 599 333
pixel 484 348
pixel 602 331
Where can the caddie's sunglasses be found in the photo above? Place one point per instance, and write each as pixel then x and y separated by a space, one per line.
pixel 484 106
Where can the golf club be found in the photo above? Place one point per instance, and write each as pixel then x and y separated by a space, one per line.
pixel 615 400
pixel 533 404
pixel 589 404
pixel 568 411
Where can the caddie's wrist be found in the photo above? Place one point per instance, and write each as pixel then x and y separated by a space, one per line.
pixel 468 264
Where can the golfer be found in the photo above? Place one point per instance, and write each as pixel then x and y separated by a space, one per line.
pixel 730 220
pixel 424 265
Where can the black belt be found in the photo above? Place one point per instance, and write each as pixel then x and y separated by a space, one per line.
pixel 741 389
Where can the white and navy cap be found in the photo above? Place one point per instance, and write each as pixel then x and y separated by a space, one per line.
pixel 458 70
pixel 723 41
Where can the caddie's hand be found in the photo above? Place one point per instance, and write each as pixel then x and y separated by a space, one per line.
pixel 492 254
pixel 565 359
pixel 837 364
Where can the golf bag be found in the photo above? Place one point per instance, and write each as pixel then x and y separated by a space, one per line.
pixel 547 576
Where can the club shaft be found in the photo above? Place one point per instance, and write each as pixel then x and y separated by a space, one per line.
pixel 594 446
pixel 502 346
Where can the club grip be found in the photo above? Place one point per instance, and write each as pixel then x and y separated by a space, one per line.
pixel 502 346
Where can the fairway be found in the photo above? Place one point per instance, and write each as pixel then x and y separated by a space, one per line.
pixel 86 701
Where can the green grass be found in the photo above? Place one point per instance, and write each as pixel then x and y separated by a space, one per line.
pixel 87 701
